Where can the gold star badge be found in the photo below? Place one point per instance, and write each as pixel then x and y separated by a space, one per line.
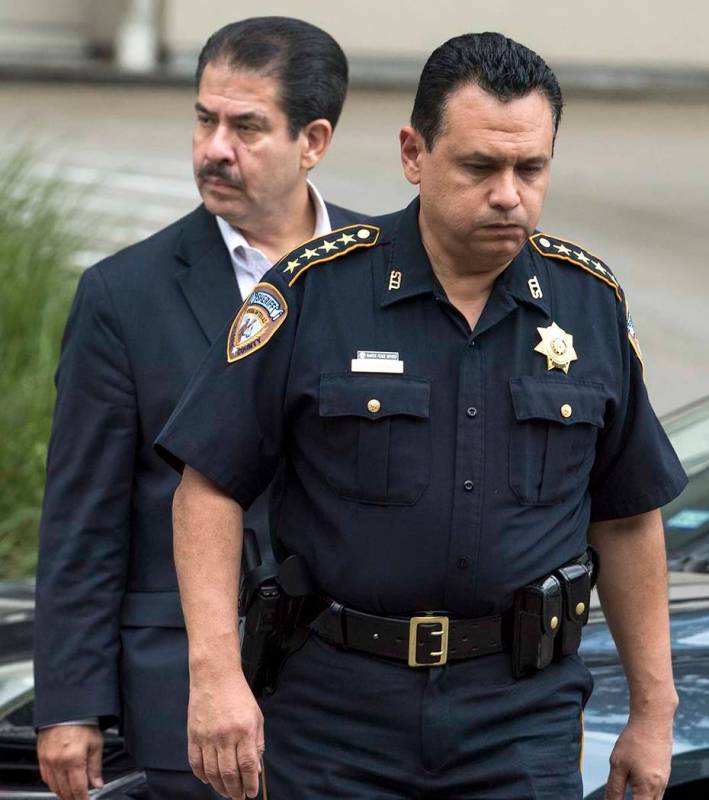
pixel 557 346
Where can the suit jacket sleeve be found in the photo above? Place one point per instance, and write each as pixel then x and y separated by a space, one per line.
pixel 84 533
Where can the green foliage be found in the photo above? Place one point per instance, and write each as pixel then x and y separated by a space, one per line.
pixel 37 281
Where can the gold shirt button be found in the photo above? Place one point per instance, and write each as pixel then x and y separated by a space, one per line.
pixel 566 411
pixel 554 623
pixel 580 608
pixel 374 405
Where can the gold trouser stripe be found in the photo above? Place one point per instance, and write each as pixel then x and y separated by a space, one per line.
pixel 581 748
pixel 264 791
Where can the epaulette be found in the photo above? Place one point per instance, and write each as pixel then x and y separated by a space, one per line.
pixel 333 245
pixel 562 249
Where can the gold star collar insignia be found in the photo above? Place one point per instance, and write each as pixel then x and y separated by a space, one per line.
pixel 557 346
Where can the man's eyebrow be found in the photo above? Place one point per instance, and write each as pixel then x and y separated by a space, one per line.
pixel 247 117
pixel 487 159
pixel 250 116
pixel 533 161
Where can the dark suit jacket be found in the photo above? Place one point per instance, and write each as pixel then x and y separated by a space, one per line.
pixel 109 632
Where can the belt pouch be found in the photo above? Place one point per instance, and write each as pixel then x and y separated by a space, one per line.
pixel 537 614
pixel 576 593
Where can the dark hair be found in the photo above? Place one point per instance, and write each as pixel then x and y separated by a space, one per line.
pixel 498 65
pixel 308 64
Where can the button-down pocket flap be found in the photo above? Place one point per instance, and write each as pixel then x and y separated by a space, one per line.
pixel 374 397
pixel 564 401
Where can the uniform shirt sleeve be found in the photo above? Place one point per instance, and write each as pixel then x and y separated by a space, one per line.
pixel 229 423
pixel 636 469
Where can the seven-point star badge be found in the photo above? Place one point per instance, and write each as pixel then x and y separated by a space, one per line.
pixel 557 346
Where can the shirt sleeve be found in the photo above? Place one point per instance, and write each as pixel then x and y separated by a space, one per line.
pixel 229 423
pixel 636 469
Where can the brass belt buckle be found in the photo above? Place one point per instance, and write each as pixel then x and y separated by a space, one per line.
pixel 441 653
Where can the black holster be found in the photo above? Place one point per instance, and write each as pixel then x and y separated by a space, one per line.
pixel 274 607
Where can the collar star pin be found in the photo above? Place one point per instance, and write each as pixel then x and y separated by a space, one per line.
pixel 557 346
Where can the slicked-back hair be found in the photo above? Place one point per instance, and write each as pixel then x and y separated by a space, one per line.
pixel 307 63
pixel 498 65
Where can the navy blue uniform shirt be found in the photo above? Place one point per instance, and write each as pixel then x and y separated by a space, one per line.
pixel 470 473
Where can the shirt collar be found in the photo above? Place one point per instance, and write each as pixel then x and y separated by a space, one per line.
pixel 526 279
pixel 410 272
pixel 410 268
pixel 235 239
pixel 322 218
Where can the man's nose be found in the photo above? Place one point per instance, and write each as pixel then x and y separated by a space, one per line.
pixel 504 193
pixel 220 147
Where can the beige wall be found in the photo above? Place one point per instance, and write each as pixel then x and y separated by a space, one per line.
pixel 623 33
pixel 662 33
pixel 60 24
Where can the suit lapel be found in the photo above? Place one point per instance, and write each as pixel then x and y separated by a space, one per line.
pixel 206 274
pixel 339 217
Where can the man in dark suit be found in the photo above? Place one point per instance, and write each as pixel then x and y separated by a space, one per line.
pixel 110 638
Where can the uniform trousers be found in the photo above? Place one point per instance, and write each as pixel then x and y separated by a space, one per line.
pixel 166 784
pixel 350 726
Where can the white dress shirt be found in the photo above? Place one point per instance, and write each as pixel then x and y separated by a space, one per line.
pixel 250 263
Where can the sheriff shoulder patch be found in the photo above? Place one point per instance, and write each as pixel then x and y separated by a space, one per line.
pixel 258 319
pixel 633 336
pixel 564 250
pixel 327 248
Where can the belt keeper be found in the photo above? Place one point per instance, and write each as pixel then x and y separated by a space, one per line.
pixel 331 624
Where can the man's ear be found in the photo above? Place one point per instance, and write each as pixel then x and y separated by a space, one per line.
pixel 412 146
pixel 317 136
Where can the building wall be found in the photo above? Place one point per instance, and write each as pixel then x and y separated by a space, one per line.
pixel 650 33
pixel 42 28
pixel 624 34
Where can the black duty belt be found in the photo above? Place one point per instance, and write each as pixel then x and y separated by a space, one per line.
pixel 545 623
pixel 430 640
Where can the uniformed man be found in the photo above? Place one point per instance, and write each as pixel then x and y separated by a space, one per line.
pixel 110 637
pixel 461 406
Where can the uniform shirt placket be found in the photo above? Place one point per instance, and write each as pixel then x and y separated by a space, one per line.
pixel 469 478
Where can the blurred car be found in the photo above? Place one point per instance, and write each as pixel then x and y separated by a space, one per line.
pixel 687 533
pixel 19 772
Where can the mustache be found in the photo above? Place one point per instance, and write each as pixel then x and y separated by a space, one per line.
pixel 220 172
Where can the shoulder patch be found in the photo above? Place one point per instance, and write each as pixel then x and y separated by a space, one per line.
pixel 633 336
pixel 258 319
pixel 333 245
pixel 564 250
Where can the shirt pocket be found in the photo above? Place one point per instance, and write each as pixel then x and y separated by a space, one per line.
pixel 379 436
pixel 553 436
